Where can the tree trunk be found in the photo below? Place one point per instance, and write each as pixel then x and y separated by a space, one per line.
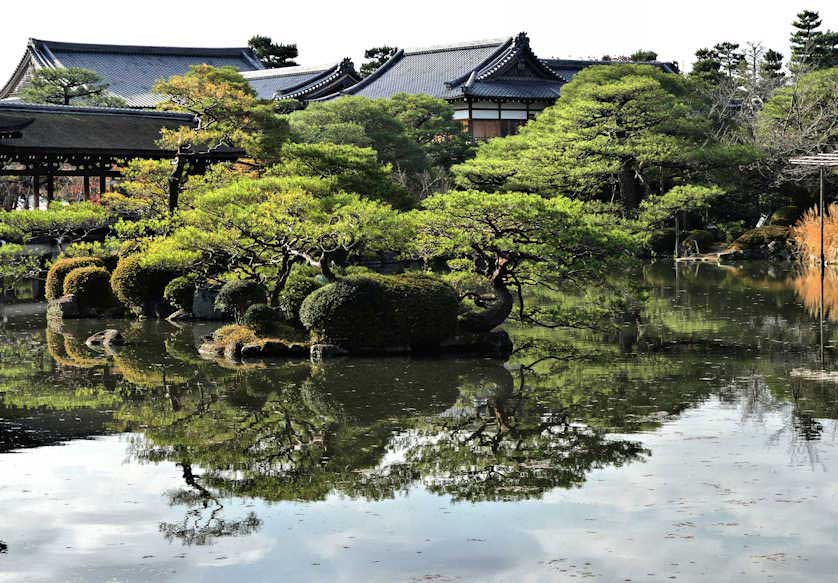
pixel 491 317
pixel 628 188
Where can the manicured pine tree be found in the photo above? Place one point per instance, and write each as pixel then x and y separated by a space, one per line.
pixel 375 57
pixel 271 54
pixel 771 67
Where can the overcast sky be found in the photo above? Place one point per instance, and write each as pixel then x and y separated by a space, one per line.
pixel 326 31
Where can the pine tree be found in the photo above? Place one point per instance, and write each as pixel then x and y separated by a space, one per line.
pixel 72 85
pixel 771 67
pixel 271 54
pixel 812 48
pixel 375 57
pixel 644 55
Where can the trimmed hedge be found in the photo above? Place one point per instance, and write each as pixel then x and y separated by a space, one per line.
pixel 91 286
pixel 140 287
pixel 762 236
pixel 180 292
pixel 59 270
pixel 296 290
pixel 260 318
pixel 236 295
pixel 375 313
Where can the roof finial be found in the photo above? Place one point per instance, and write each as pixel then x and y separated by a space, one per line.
pixel 522 40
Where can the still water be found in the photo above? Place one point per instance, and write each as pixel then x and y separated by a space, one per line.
pixel 698 444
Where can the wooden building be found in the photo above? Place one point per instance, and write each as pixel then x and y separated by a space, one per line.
pixel 495 86
pixel 43 142
pixel 130 71
pixel 303 83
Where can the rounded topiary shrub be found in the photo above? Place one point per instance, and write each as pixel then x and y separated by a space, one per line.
pixel 59 270
pixel 380 313
pixel 180 292
pixel 140 287
pixel 236 295
pixel 91 285
pixel 260 318
pixel 297 288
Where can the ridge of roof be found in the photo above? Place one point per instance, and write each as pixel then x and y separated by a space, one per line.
pixel 141 49
pixel 20 106
pixel 344 68
pixel 395 58
pixel 478 44
pixel 284 71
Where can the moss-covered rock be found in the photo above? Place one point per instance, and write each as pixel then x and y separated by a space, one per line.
pixel 662 241
pixel 378 313
pixel 54 288
pixel 761 236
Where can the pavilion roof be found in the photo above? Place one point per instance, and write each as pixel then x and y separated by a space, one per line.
pixel 129 70
pixel 499 69
pixel 86 130
pixel 303 83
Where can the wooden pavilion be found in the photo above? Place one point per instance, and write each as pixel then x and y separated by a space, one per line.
pixel 47 141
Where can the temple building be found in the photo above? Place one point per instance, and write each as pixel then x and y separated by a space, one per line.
pixel 303 83
pixel 495 86
pixel 130 71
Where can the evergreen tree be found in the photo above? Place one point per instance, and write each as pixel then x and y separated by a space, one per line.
pixel 375 57
pixel 812 48
pixel 644 55
pixel 70 86
pixel 707 65
pixel 271 54
pixel 771 67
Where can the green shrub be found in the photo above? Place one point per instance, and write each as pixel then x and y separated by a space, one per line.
pixel 762 236
pixel 297 288
pixel 91 285
pixel 704 240
pixel 180 292
pixel 10 234
pixel 140 287
pixel 260 318
pixel 237 294
pixel 59 270
pixel 785 216
pixel 378 312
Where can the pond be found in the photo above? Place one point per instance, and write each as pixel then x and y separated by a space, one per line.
pixel 698 444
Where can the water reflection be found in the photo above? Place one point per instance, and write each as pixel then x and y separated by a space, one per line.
pixel 730 346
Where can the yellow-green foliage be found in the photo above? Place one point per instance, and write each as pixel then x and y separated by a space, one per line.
pixel 138 285
pixel 59 271
pixel 234 333
pixel 91 286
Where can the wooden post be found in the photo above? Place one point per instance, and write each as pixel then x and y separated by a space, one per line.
pixel 36 192
pixel 103 185
pixel 823 255
pixel 86 187
pixel 50 188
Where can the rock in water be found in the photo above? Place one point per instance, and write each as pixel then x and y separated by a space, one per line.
pixel 109 337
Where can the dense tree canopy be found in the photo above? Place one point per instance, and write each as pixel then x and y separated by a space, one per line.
pixel 273 55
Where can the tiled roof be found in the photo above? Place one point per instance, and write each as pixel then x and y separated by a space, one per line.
pixel 129 70
pixel 427 70
pixel 501 69
pixel 567 68
pixel 303 84
pixel 64 128
pixel 267 82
